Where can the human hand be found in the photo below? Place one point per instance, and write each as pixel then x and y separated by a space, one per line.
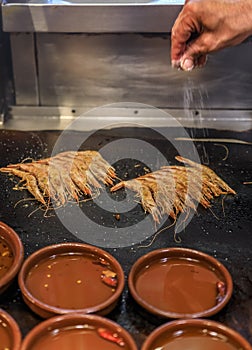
pixel 205 26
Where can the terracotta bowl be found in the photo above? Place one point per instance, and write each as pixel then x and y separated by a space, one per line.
pixel 11 255
pixel 10 335
pixel 180 283
pixel 78 331
pixel 195 334
pixel 71 277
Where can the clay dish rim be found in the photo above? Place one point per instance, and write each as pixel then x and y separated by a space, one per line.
pixel 204 324
pixel 16 335
pixel 162 253
pixel 74 319
pixel 41 307
pixel 16 246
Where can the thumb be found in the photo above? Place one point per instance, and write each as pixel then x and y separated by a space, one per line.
pixel 195 53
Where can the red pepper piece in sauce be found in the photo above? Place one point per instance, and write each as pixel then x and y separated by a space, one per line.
pixel 109 278
pixel 221 289
pixel 110 281
pixel 110 336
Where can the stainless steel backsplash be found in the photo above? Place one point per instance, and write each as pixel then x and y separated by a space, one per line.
pixel 95 69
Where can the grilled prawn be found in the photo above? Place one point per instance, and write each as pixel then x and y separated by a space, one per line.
pixel 175 189
pixel 65 177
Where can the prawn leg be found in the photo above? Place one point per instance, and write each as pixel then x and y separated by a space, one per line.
pixel 30 182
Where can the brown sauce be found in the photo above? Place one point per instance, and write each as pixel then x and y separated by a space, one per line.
pixel 6 257
pixel 5 337
pixel 195 340
pixel 75 338
pixel 178 285
pixel 69 281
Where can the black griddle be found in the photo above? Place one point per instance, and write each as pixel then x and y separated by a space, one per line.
pixel 225 235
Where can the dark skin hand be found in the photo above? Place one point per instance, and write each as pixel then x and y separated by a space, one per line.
pixel 205 26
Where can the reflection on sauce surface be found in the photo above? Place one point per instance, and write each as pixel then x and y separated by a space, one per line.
pixel 70 281
pixel 196 340
pixel 178 285
pixel 78 337
pixel 5 337
pixel 6 257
